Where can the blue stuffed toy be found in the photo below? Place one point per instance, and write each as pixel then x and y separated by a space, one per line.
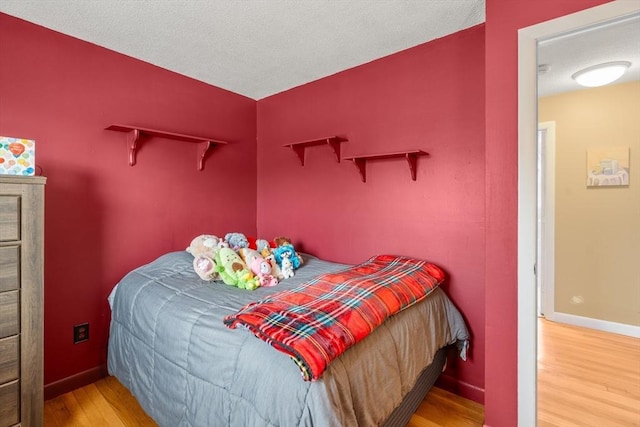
pixel 236 241
pixel 287 248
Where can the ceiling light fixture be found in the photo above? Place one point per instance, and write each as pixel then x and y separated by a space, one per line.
pixel 602 74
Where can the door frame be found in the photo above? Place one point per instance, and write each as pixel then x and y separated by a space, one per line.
pixel 528 39
pixel 546 237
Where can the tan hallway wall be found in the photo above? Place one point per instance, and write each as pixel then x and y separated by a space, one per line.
pixel 597 230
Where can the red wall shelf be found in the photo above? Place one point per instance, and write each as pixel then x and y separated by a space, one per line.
pixel 134 133
pixel 333 141
pixel 411 156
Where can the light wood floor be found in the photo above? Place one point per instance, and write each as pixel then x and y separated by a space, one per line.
pixel 585 378
pixel 443 409
pixel 108 403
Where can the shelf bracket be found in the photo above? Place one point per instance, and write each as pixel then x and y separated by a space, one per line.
pixel 361 165
pixel 335 146
pixel 132 141
pixel 203 154
pixel 299 150
pixel 412 160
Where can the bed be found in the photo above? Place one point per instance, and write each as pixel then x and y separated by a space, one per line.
pixel 169 346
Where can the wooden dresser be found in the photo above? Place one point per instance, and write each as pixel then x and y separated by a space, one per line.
pixel 21 300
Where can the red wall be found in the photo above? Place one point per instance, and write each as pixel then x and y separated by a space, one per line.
pixel 430 97
pixel 104 217
pixel 503 19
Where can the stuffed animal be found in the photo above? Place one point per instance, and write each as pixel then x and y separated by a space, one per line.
pixel 263 247
pixel 236 240
pixel 233 270
pixel 204 249
pixel 262 269
pixel 287 266
pixel 248 255
pixel 291 253
pixel 265 252
pixel 281 240
pixel 249 282
pixel 275 268
pixel 204 244
pixel 205 267
pixel 283 244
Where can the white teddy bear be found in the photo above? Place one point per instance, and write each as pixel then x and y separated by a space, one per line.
pixel 287 266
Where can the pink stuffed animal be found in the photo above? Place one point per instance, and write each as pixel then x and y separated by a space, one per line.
pixel 262 269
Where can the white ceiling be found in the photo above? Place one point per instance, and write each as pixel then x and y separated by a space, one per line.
pixel 257 48
pixel 253 47
pixel 614 41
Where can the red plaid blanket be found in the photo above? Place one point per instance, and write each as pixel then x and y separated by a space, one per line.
pixel 317 321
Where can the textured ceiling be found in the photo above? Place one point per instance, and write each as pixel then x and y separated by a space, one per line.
pixel 253 47
pixel 618 40
pixel 261 47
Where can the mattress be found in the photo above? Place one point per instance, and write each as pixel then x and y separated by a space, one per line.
pixel 168 345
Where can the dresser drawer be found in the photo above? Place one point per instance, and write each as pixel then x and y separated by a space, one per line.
pixel 9 218
pixel 9 358
pixel 9 313
pixel 9 267
pixel 10 403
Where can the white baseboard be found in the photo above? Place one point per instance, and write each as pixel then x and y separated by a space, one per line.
pixel 600 325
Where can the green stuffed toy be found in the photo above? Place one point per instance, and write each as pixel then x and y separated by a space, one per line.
pixel 233 271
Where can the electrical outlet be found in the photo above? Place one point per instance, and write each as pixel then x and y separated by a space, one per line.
pixel 80 333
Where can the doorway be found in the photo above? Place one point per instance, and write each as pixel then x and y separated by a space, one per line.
pixel 528 39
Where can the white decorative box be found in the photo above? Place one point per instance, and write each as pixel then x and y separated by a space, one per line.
pixel 17 156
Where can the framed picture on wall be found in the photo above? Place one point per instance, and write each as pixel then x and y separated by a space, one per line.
pixel 607 166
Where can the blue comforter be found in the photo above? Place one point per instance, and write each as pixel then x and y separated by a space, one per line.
pixel 169 346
